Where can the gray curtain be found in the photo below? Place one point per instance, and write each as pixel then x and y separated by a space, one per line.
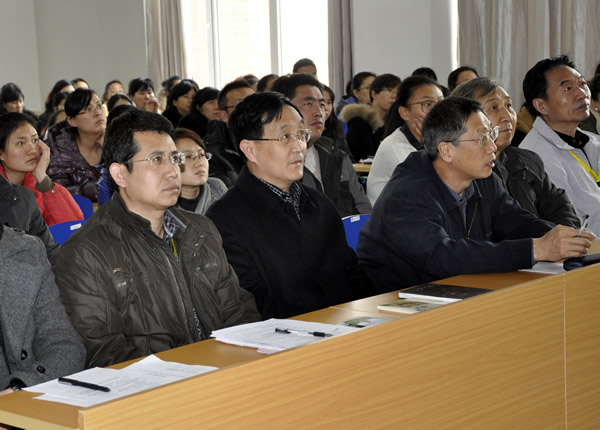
pixel 340 45
pixel 164 40
pixel 505 38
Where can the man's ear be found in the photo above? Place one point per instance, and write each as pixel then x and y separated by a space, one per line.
pixel 540 105
pixel 248 149
pixel 117 171
pixel 445 151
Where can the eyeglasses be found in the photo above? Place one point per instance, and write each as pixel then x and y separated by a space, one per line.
pixel 302 136
pixel 485 139
pixel 426 105
pixel 92 109
pixel 197 156
pixel 176 158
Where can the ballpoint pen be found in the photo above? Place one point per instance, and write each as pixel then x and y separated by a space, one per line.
pixel 584 224
pixel 302 333
pixel 76 383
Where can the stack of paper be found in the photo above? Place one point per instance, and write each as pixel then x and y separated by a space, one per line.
pixel 143 375
pixel 276 334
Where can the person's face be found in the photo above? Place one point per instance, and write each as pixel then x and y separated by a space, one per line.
pixel 311 70
pixel 194 172
pixel 210 109
pixel 499 109
pixel 469 160
pixel 465 76
pixel 234 97
pixel 328 104
pixel 148 189
pixel 419 104
pixel 385 98
pixel 22 151
pixel 276 162
pixel 184 103
pixel 567 97
pixel 91 119
pixel 363 93
pixel 310 102
pixel 16 105
pixel 142 97
pixel 114 88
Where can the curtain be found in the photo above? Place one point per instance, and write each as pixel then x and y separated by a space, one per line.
pixel 164 40
pixel 505 38
pixel 340 45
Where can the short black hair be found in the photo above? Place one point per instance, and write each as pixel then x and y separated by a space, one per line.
pixel 139 84
pixel 358 79
pixel 428 72
pixel 9 93
pixel 9 122
pixel 118 111
pixel 287 85
pixel 181 89
pixel 453 76
pixel 59 85
pixel 78 100
pixel 119 141
pixel 262 83
pixel 204 95
pixel 535 85
pixel 234 85
pixel 446 122
pixel 252 114
pixel 59 97
pixel 169 83
pixel 384 82
pixel 112 101
pixel 303 62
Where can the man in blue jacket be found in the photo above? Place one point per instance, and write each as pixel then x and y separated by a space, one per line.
pixel 443 213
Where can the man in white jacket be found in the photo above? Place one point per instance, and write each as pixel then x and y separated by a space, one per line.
pixel 560 98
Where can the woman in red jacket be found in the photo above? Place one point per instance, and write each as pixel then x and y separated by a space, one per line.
pixel 24 159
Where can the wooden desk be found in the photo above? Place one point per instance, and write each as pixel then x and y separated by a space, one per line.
pixel 362 167
pixel 519 357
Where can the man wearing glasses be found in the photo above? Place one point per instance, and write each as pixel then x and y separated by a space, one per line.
pixel 443 213
pixel 285 241
pixel 142 276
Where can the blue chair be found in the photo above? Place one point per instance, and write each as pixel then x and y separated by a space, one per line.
pixel 61 232
pixel 86 206
pixel 352 225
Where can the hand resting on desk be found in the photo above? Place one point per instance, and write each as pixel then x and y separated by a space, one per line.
pixel 561 243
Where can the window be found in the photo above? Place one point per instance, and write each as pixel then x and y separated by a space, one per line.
pixel 226 39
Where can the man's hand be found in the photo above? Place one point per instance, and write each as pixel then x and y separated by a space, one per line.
pixel 561 243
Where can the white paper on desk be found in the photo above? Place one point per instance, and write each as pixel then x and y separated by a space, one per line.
pixel 546 267
pixel 262 335
pixel 148 373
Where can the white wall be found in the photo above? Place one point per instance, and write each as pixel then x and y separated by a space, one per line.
pixel 398 36
pixel 18 49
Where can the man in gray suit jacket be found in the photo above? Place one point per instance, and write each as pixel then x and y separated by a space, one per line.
pixel 37 340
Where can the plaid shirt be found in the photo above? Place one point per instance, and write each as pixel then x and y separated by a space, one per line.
pixel 292 197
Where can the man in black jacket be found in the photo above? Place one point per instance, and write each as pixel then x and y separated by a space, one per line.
pixel 327 167
pixel 521 171
pixel 443 213
pixel 141 275
pixel 285 241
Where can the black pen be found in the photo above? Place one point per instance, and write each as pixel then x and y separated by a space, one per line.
pixel 76 383
pixel 302 333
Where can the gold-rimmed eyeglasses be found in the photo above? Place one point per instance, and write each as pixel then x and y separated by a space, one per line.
pixel 426 105
pixel 302 135
pixel 176 158
pixel 485 139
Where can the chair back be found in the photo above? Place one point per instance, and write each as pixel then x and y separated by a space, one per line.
pixel 85 204
pixel 352 225
pixel 61 231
